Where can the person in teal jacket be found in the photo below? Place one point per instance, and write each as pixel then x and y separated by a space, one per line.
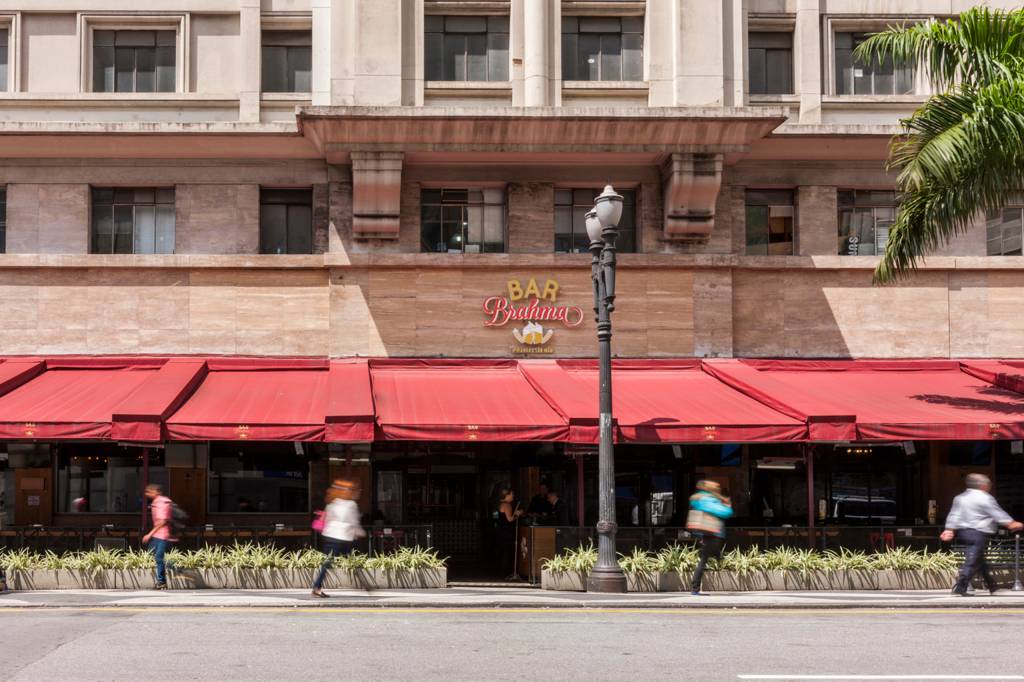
pixel 706 520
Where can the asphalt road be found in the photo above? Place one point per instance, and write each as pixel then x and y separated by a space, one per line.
pixel 486 644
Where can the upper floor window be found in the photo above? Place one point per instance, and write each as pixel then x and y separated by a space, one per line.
pixel 571 206
pixel 133 220
pixel 602 48
pixel 134 61
pixel 463 220
pixel 287 61
pixel 854 77
pixel 286 221
pixel 1004 230
pixel 865 218
pixel 466 48
pixel 770 60
pixel 770 222
pixel 3 220
pixel 5 34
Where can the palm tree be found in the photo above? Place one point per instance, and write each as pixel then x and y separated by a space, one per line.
pixel 962 152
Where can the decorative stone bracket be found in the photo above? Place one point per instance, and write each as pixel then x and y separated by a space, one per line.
pixel 376 194
pixel 691 184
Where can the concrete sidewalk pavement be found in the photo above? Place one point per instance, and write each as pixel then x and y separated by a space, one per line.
pixel 515 598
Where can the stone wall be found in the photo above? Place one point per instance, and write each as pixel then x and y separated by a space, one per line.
pixel 48 218
pixel 220 219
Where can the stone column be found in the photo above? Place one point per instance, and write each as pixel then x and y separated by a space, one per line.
pixel 322 34
pixel 537 27
pixel 817 217
pixel 378 53
pixel 807 59
pixel 531 217
pixel 250 33
pixel 701 75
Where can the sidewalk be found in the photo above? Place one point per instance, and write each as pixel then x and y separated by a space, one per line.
pixel 455 598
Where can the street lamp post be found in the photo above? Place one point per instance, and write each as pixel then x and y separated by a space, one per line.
pixel 602 230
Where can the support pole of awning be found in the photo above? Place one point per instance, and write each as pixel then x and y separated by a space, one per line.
pixel 145 484
pixel 809 461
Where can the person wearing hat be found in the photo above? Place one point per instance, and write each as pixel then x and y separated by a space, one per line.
pixel 706 520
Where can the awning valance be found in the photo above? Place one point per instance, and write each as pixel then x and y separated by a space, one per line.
pixel 656 401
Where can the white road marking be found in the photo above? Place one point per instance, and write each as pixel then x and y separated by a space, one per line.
pixel 880 677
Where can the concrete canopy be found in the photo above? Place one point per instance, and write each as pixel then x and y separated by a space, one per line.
pixel 337 131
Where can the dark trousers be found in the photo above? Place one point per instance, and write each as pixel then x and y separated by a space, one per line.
pixel 975 544
pixel 332 548
pixel 710 546
pixel 159 548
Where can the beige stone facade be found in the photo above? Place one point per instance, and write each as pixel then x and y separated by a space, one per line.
pixel 373 132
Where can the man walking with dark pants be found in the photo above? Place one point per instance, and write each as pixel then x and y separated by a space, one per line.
pixel 973 519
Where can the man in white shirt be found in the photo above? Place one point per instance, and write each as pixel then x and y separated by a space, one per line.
pixel 974 518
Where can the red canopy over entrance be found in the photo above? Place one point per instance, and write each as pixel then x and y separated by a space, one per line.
pixel 658 401
pixel 459 400
pixel 879 399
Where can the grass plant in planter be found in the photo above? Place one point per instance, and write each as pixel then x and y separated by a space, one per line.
pixel 568 571
pixel 850 570
pixel 901 568
pixel 675 566
pixel 641 569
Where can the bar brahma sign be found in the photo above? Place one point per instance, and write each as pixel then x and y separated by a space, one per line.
pixel 536 308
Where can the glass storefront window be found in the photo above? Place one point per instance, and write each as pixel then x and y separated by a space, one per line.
pixel 865 218
pixel 257 477
pixel 106 479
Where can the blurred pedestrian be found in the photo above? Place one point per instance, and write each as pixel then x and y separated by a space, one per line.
pixel 159 538
pixel 973 520
pixel 706 520
pixel 341 527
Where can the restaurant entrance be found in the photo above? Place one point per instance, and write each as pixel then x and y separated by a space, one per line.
pixel 454 489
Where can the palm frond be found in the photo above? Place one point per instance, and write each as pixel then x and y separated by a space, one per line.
pixel 978 48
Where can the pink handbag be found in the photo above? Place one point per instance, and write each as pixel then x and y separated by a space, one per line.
pixel 318 520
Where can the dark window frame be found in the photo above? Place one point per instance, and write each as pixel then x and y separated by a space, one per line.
pixel 122 59
pixel 880 206
pixel 1010 241
pixel 482 41
pixel 119 203
pixel 295 200
pixel 902 77
pixel 296 46
pixel 762 201
pixel 579 201
pixel 764 48
pixel 3 219
pixel 452 206
pixel 606 46
pixel 5 56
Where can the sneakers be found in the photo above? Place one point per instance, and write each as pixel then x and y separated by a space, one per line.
pixel 319 593
pixel 160 586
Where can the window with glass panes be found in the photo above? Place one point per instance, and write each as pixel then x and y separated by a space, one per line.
pixel 770 222
pixel 865 218
pixel 133 220
pixel 287 61
pixel 286 221
pixel 3 220
pixel 855 77
pixel 571 207
pixel 134 61
pixel 5 34
pixel 1004 230
pixel 466 48
pixel 770 62
pixel 602 48
pixel 462 220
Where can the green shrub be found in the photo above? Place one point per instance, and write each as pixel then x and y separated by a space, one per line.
pixel 579 560
pixel 639 562
pixel 677 558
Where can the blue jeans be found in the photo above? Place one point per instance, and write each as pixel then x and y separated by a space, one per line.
pixel 975 543
pixel 159 548
pixel 332 548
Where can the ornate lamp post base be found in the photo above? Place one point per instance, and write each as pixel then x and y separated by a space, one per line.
pixel 607 580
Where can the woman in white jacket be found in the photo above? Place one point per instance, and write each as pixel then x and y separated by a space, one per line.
pixel 341 527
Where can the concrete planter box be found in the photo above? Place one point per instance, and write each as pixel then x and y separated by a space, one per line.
pixel 890 579
pixel 728 581
pixel 570 581
pixel 847 579
pixel 226 579
pixel 643 582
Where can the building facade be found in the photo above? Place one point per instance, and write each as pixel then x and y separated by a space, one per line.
pixel 342 179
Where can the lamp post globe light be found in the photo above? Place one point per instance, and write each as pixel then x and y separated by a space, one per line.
pixel 602 230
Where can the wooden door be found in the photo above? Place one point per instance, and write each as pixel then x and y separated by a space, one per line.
pixel 33 502
pixel 188 490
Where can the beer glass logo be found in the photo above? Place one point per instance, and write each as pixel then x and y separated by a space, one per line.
pixel 533 334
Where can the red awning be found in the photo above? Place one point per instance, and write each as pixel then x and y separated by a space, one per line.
pixel 246 399
pixel 67 398
pixel 141 416
pixel 879 399
pixel 461 400
pixel 350 413
pixel 656 401
pixel 1008 374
